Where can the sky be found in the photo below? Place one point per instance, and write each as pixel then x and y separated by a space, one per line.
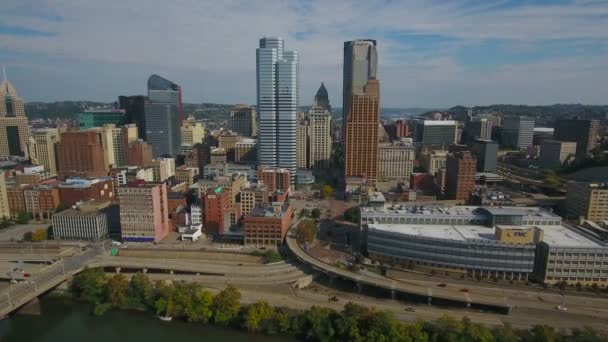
pixel 432 53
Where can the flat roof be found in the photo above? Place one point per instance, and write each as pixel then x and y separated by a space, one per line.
pixel 555 236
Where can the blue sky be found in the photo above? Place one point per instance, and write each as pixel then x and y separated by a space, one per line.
pixel 432 53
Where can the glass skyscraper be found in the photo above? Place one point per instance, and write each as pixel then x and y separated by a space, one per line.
pixel 278 101
pixel 163 116
pixel 360 65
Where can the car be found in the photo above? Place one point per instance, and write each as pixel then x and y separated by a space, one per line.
pixel 442 285
pixel 561 308
pixel 409 309
pixel 464 290
pixel 26 275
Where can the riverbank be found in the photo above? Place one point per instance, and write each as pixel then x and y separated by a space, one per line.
pixel 190 302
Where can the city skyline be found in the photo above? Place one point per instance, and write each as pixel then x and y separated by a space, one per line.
pixel 436 55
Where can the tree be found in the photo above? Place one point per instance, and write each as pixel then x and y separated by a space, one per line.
pixel 317 324
pixel 272 256
pixel 256 315
pixel 140 291
pixel 551 181
pixel 201 308
pixel 89 285
pixel 315 213
pixel 116 290
pixel 39 235
pixel 352 214
pixel 22 218
pixel 5 222
pixel 304 213
pixel 307 230
pixel 327 191
pixel 28 236
pixel 541 333
pixel 226 305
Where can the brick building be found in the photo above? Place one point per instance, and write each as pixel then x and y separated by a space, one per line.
pixel 267 225
pixel 82 154
pixel 75 190
pixel 461 168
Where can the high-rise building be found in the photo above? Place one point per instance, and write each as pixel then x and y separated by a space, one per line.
pixel 587 200
pixel 243 121
pixel 246 150
pixel 41 201
pixel 5 210
pixel 319 137
pixel 360 66
pixel 163 116
pixel 518 132
pixel 139 153
pixel 227 140
pixel 82 154
pixel 486 153
pixel 192 131
pixel 395 161
pixel 163 168
pixel 274 179
pixel 583 132
pixel 361 138
pixel 434 133
pixel 433 160
pixel 135 112
pixel 461 168
pixel 398 129
pixel 144 214
pixel 91 221
pixel 302 144
pixel 321 100
pixel 117 140
pixel 99 117
pixel 42 148
pixel 478 128
pixel 217 210
pixel 14 128
pixel 555 153
pixel 278 101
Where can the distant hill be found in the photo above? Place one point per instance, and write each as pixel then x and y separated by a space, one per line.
pixel 541 113
pixel 71 109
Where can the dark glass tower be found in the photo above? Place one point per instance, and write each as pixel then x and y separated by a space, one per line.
pixel 134 107
pixel 163 116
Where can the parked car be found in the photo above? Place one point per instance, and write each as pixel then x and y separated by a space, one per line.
pixel 561 308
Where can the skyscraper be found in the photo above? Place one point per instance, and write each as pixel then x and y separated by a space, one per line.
pixel 243 121
pixel 518 132
pixel 361 138
pixel 319 137
pixel 360 65
pixel 135 112
pixel 321 100
pixel 14 129
pixel 278 101
pixel 486 152
pixel 461 168
pixel 583 132
pixel 82 154
pixel 434 133
pixel 163 116
pixel 42 148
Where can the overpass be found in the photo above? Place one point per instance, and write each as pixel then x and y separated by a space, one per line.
pixel 451 296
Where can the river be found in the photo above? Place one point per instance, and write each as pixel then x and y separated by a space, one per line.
pixel 64 320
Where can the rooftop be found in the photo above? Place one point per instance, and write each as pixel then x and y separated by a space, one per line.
pixel 268 210
pixel 460 210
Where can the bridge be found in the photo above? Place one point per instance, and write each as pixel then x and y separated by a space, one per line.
pixel 445 295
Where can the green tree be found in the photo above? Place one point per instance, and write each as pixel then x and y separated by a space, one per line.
pixel 116 290
pixel 304 213
pixel 307 230
pixel 89 285
pixel 22 218
pixel 226 305
pixel 28 236
pixel 140 291
pixel 317 324
pixel 551 180
pixel 505 333
pixel 163 303
pixel 257 315
pixel 315 213
pixel 475 332
pixel 5 222
pixel 352 214
pixel 541 333
pixel 327 191
pixel 272 256
pixel 281 322
pixel 201 308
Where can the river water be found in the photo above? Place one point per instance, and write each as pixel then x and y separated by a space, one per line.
pixel 66 321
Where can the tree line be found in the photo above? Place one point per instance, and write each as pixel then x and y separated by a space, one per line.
pixel 192 303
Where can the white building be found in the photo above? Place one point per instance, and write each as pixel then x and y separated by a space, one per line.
pixel 395 161
pixel 90 221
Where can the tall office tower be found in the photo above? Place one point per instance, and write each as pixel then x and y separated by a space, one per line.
pixel 583 132
pixel 518 132
pixel 278 101
pixel 486 153
pixel 321 100
pixel 14 129
pixel 98 117
pixel 135 112
pixel 461 168
pixel 42 148
pixel 117 140
pixel 361 139
pixel 243 121
pixel 5 210
pixel 139 153
pixel 144 215
pixel 434 133
pixel 163 116
pixel 587 200
pixel 192 131
pixel 302 144
pixel 319 137
pixel 555 153
pixel 82 154
pixel 478 128
pixel 360 66
pixel 395 160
